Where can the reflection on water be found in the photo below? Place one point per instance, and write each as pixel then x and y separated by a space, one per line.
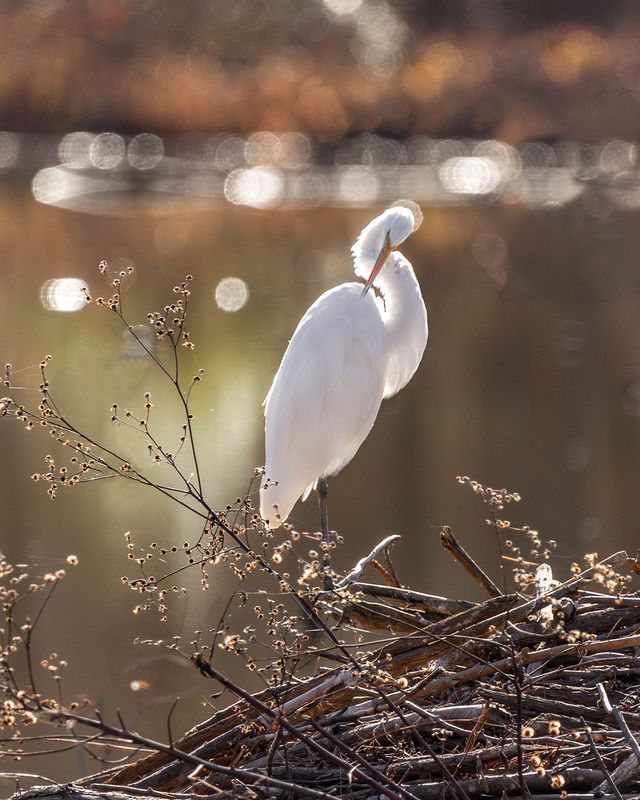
pixel 232 294
pixel 530 380
pixel 470 175
pixel 64 294
pixel 101 173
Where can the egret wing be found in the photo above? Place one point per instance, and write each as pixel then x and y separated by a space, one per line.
pixel 324 397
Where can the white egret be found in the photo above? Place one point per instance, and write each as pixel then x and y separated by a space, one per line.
pixel 352 348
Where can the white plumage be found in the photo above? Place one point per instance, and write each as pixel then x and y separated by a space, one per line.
pixel 350 350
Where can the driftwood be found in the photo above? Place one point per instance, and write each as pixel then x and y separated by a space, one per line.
pixel 458 700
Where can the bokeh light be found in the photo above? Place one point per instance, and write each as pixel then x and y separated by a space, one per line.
pixel 75 149
pixel 630 397
pixel 262 147
pixel 259 187
pixel 310 188
pixel 576 454
pixel 490 252
pixel 296 149
pixel 139 685
pixel 145 151
pixel 571 340
pixel 107 150
pixel 54 185
pixel 232 294
pixel 537 155
pixel 343 8
pixel 358 185
pixel 589 529
pixel 230 153
pixel 617 156
pixel 267 169
pixel 470 175
pixel 504 156
pixel 64 294
pixel 379 40
pixel 138 343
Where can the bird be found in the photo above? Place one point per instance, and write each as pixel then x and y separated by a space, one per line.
pixel 355 346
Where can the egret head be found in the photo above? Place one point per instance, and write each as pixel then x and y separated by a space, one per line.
pixel 380 237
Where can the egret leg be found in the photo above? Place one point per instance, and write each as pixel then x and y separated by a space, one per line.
pixel 323 491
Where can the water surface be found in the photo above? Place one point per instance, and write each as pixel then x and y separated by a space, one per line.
pixel 530 380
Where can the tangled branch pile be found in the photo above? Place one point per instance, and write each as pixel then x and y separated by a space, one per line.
pixel 516 696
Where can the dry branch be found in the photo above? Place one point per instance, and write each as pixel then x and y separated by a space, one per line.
pixel 453 546
pixel 488 700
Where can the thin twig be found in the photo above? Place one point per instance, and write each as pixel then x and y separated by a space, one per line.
pixel 362 761
pixel 169 715
pixel 601 763
pixel 518 676
pixel 619 718
pixel 451 779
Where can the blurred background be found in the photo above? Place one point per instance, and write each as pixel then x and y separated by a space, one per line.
pixel 247 143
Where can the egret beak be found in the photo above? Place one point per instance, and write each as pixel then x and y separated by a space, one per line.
pixel 382 257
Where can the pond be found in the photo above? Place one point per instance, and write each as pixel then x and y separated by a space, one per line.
pixel 530 380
